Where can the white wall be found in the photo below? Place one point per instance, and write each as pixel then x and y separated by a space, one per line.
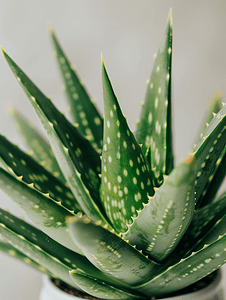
pixel 127 33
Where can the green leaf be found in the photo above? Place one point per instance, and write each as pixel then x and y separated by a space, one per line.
pixel 208 151
pixel 217 223
pixel 67 257
pixel 154 130
pixel 82 108
pixel 213 108
pixel 215 180
pixel 203 222
pixel 161 224
pixel 38 255
pixel 37 144
pixel 44 212
pixel 73 177
pixel 13 252
pixel 101 289
pixel 32 173
pixel 187 271
pixel 126 181
pixel 109 253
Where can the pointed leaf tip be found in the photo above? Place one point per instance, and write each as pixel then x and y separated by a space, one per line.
pixel 170 17
pixel 102 61
pixel 50 27
pixel 2 50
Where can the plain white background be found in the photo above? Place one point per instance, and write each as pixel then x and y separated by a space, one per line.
pixel 128 33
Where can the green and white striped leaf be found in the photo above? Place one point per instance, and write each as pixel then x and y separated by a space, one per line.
pixel 32 173
pixel 82 108
pixel 126 181
pixel 101 289
pixel 161 224
pixel 61 153
pixel 154 129
pixel 36 144
pixel 187 271
pixel 208 151
pixel 46 214
pixel 109 253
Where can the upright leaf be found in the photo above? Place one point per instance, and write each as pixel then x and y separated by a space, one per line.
pixel 161 224
pixel 72 138
pixel 154 130
pixel 126 179
pixel 208 151
pixel 82 108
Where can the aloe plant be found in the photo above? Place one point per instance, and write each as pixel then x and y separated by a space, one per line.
pixel 113 215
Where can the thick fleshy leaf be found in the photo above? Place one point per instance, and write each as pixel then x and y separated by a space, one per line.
pixel 35 143
pixel 126 180
pixel 214 182
pixel 13 252
pixel 101 289
pixel 32 173
pixel 213 108
pixel 109 253
pixel 82 154
pixel 187 271
pixel 161 224
pixel 203 223
pixel 46 214
pixel 82 108
pixel 38 255
pixel 154 129
pixel 73 177
pixel 43 242
pixel 208 151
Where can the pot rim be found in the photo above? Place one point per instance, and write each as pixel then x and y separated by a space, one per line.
pixel 47 282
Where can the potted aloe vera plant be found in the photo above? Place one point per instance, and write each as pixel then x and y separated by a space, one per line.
pixel 114 217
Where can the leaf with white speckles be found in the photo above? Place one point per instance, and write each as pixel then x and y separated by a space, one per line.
pixel 209 150
pixel 216 178
pixel 203 222
pixel 44 212
pixel 82 108
pixel 24 165
pixel 126 179
pixel 154 129
pixel 37 144
pixel 69 258
pixel 187 271
pixel 101 289
pixel 38 255
pixel 91 208
pixel 109 253
pixel 219 228
pixel 213 108
pixel 161 224
pixel 13 252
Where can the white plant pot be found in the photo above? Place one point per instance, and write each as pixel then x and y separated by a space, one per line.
pixel 214 291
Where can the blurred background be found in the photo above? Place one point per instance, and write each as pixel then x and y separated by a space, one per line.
pixel 128 34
